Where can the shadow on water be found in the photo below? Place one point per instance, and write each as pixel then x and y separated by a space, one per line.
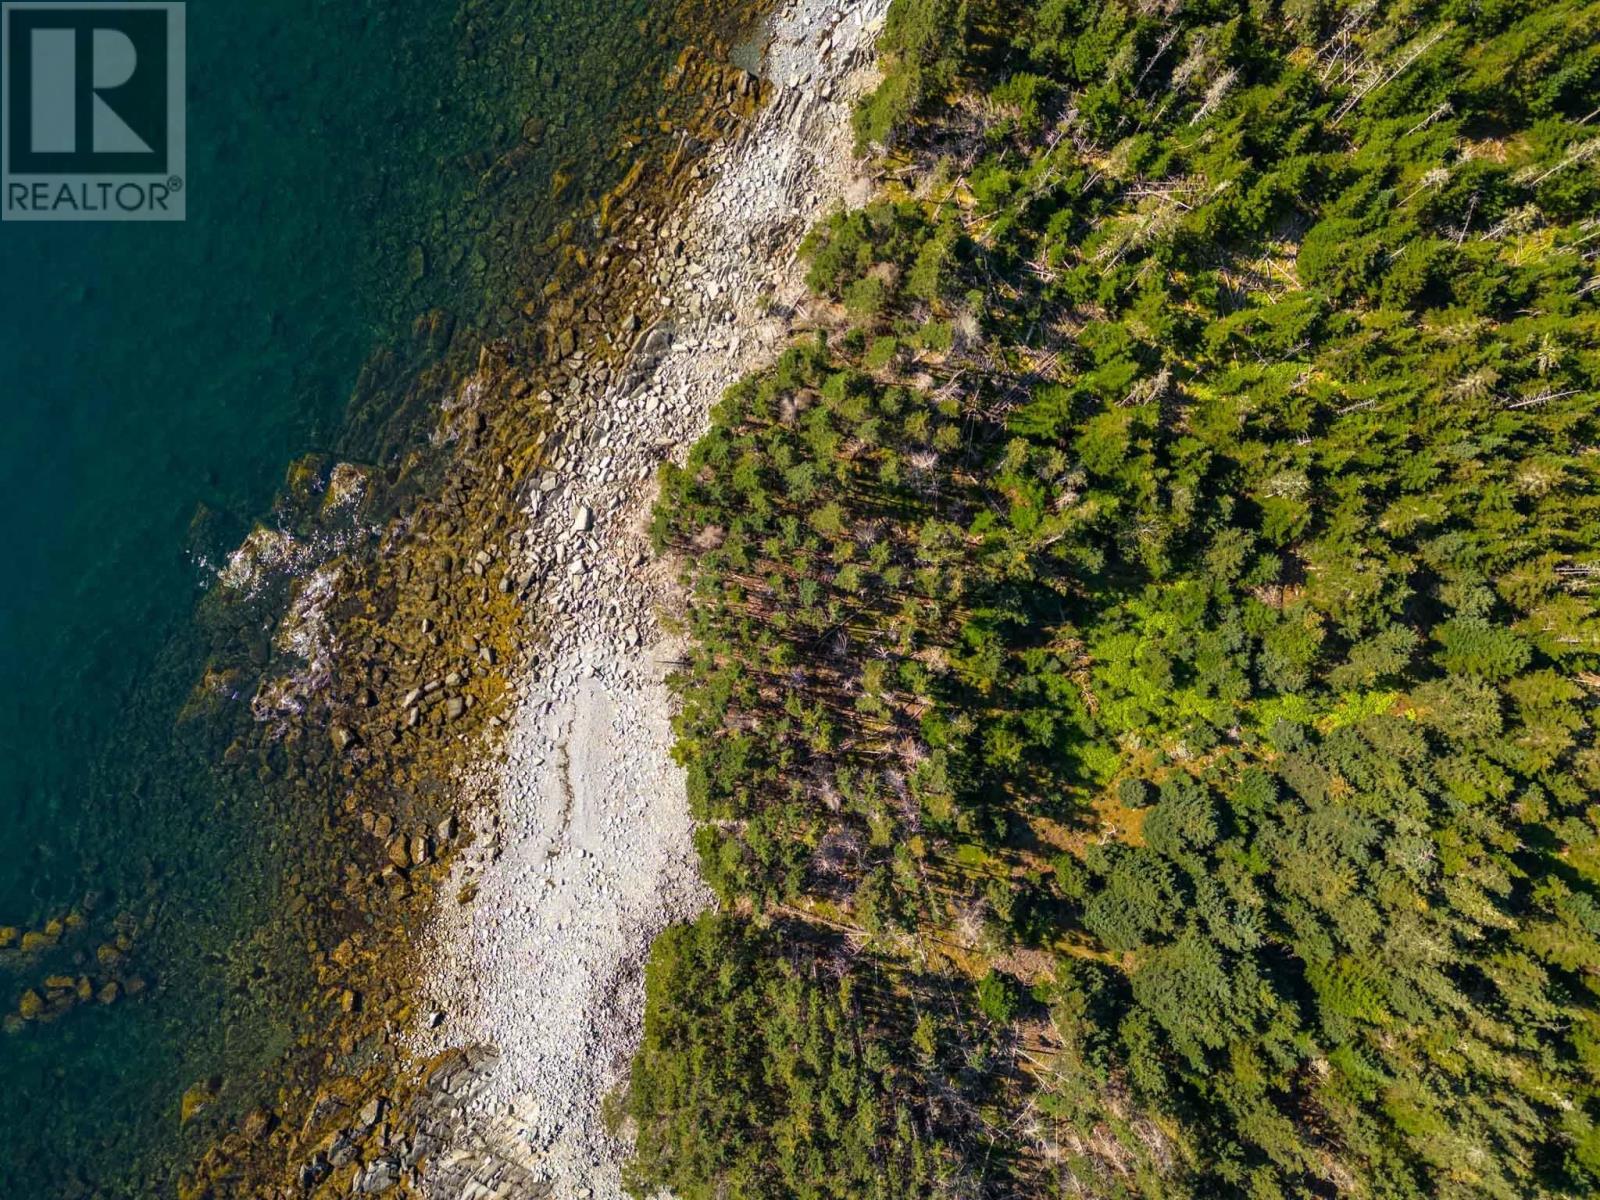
pixel 351 166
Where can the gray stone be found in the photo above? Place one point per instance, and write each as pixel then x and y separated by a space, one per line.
pixel 380 1176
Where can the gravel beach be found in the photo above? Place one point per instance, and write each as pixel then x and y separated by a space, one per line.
pixel 589 851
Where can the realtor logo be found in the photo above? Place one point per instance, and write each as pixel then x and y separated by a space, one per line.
pixel 92 111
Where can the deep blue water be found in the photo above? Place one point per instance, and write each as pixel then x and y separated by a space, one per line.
pixel 155 382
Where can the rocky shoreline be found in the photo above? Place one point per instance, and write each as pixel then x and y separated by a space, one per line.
pixel 533 990
pixel 457 710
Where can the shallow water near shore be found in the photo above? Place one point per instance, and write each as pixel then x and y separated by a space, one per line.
pixel 347 172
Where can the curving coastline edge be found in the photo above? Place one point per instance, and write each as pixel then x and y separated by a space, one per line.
pixel 587 851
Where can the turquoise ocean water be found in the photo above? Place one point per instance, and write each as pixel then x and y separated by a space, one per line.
pixel 155 382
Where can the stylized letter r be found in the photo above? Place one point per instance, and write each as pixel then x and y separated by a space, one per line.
pixel 55 92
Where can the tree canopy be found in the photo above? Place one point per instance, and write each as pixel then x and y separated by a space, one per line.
pixel 1144 655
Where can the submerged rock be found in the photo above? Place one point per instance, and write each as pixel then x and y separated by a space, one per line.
pixel 197 1098
pixel 257 1124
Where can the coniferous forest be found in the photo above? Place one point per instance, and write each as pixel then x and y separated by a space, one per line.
pixel 1142 641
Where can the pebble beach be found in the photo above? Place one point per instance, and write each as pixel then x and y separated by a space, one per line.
pixel 587 850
